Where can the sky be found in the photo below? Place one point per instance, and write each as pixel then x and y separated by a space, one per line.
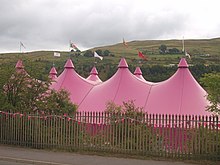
pixel 51 24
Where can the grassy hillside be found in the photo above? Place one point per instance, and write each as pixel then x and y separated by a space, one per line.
pixel 197 48
pixel 39 63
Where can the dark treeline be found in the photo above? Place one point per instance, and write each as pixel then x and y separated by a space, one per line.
pixel 154 73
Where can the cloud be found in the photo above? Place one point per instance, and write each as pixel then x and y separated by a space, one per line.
pixel 50 24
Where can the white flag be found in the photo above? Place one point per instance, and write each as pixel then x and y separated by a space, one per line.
pixel 98 56
pixel 56 54
pixel 187 55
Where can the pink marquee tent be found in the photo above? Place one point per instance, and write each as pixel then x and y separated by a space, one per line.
pixel 53 73
pixel 138 74
pixel 77 86
pixel 180 94
pixel 94 76
pixel 122 86
pixel 20 67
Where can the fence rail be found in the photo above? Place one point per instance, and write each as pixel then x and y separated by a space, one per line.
pixel 171 136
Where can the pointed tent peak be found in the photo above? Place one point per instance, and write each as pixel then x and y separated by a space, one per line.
pixel 138 71
pixel 94 71
pixel 19 65
pixel 123 63
pixel 183 63
pixel 53 71
pixel 69 64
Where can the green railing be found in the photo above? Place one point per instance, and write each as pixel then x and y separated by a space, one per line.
pixel 168 136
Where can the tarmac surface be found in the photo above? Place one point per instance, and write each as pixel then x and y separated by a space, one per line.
pixel 2 162
pixel 18 156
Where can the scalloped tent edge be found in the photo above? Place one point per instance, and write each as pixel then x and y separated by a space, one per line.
pixel 180 94
pixel 70 80
pixel 122 86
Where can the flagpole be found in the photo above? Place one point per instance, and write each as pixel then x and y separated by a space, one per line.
pixel 20 46
pixel 125 46
pixel 183 45
pixel 139 60
pixel 94 59
pixel 70 49
pixel 69 44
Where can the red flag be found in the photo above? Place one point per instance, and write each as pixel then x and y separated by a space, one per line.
pixel 141 55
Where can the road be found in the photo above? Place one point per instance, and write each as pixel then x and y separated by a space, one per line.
pixel 11 163
pixel 43 157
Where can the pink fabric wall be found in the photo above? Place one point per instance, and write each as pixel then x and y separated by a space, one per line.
pixel 180 94
pixel 122 86
pixel 77 86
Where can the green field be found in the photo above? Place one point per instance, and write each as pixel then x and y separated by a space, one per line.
pixel 39 63
pixel 198 49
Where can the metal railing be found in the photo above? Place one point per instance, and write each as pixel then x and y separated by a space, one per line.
pixel 168 136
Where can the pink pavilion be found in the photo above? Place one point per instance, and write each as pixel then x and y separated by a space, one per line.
pixel 53 73
pixel 94 76
pixel 77 86
pixel 138 74
pixel 180 94
pixel 121 87
pixel 20 67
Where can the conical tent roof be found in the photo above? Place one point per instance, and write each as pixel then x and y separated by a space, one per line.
pixel 77 86
pixel 53 73
pixel 122 86
pixel 20 67
pixel 94 76
pixel 180 94
pixel 138 74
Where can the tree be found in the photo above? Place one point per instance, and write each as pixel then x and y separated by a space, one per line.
pixel 163 49
pixel 106 53
pixel 128 108
pixel 57 102
pixel 211 83
pixel 99 52
pixel 26 94
pixel 128 114
pixel 88 53
pixel 174 51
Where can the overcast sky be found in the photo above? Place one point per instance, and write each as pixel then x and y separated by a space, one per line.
pixel 50 24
